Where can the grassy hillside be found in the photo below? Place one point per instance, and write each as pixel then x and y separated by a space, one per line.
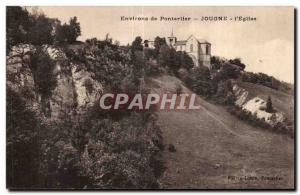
pixel 212 145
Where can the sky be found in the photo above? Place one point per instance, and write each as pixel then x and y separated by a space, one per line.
pixel 264 45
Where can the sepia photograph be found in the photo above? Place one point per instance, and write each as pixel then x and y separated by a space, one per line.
pixel 150 98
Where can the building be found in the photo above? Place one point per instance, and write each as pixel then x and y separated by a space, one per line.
pixel 198 49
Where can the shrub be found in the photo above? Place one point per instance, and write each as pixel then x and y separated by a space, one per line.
pixel 224 93
pixel 237 62
pixel 269 105
pixel 178 89
pixel 199 81
pixel 23 143
pixel 262 79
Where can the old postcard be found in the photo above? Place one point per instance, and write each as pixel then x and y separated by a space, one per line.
pixel 158 98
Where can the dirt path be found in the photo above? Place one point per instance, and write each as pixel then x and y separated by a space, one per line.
pixel 216 150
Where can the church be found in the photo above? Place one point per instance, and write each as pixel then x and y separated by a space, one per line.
pixel 198 49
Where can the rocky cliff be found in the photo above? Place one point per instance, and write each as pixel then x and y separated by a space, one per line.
pixel 75 90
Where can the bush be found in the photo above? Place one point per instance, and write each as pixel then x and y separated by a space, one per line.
pixel 229 71
pixel 178 89
pixel 152 68
pixel 224 93
pixel 199 81
pixel 42 67
pixel 269 105
pixel 237 62
pixel 262 79
pixel 123 153
pixel 216 62
pixel 22 143
pixel 281 127
pixel 18 22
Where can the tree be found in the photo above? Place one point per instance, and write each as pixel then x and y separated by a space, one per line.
pixel 185 60
pixel 45 80
pixel 42 66
pixel 67 33
pixel 216 62
pixel 158 43
pixel 137 44
pixel 74 29
pixel 228 71
pixel 22 143
pixel 23 27
pixel 41 30
pixel 167 58
pixel 61 34
pixel 199 81
pixel 17 26
pixel 269 107
pixel 237 61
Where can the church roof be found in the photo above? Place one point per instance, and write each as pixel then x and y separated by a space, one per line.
pixel 203 41
pixel 180 43
pixel 183 42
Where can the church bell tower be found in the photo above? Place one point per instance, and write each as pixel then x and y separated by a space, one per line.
pixel 171 40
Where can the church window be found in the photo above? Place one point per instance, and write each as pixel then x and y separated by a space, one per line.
pixel 207 50
pixel 191 47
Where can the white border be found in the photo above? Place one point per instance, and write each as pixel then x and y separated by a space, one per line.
pixel 3 189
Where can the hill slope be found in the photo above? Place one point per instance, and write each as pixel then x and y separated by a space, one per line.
pixel 212 145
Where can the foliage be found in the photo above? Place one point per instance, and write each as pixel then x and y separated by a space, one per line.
pixel 152 68
pixel 216 62
pixel 138 60
pixel 224 94
pixel 237 62
pixel 37 29
pixel 167 58
pixel 137 44
pixel 199 81
pixel 75 30
pixel 174 60
pixel 40 31
pixel 158 43
pixel 23 27
pixel 22 143
pixel 262 79
pixel 229 72
pixel 248 117
pixel 269 105
pixel 185 60
pixel 43 67
pixel 121 151
pixel 149 53
pixel 109 63
pixel 67 33
pixel 178 89
pixel 17 25
pixel 284 127
pixel 224 69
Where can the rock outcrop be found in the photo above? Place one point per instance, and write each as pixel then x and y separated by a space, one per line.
pixel 256 106
pixel 75 89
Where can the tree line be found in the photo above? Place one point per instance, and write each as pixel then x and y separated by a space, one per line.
pixel 24 27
